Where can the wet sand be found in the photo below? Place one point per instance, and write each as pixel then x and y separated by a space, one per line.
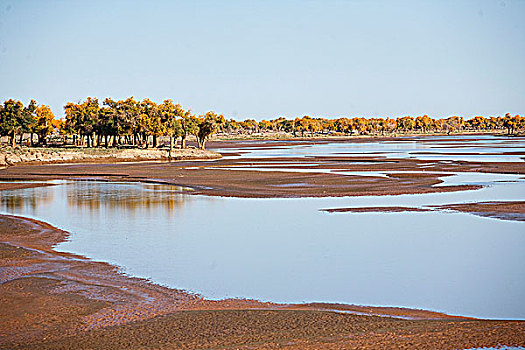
pixel 375 210
pixel 19 186
pixel 215 178
pixel 52 300
pixel 317 176
pixel 514 211
pixel 498 210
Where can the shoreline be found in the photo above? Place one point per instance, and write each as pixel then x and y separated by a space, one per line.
pixel 94 297
pixel 10 156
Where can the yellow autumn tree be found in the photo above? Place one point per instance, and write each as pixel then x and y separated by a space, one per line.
pixel 43 124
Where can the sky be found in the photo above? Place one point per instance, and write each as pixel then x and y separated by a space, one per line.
pixel 269 58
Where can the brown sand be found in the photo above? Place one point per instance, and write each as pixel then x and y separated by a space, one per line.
pixel 19 186
pixel 375 210
pixel 498 210
pixel 514 211
pixel 213 178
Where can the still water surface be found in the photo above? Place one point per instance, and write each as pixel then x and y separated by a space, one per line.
pixel 484 148
pixel 286 250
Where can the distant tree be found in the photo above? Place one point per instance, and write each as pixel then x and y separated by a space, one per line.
pixel 189 124
pixel 510 123
pixel 343 125
pixel 405 123
pixel 150 122
pixel 477 123
pixel 206 126
pixel 265 125
pixel 360 125
pixel 452 124
pixel 423 123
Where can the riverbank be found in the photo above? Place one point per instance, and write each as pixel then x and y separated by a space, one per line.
pixel 23 155
pixel 336 175
pixel 53 300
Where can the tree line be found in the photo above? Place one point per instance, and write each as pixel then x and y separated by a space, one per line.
pixel 137 123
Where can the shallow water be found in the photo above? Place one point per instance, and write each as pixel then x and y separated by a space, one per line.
pixel 286 250
pixel 439 148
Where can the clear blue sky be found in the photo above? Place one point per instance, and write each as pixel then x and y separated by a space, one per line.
pixel 262 59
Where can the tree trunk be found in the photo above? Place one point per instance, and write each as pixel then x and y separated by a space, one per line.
pixel 154 141
pixel 13 139
pixel 32 141
pixel 183 141
pixel 171 147
pixel 21 138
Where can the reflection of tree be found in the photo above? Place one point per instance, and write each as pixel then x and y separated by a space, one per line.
pixel 28 198
pixel 132 197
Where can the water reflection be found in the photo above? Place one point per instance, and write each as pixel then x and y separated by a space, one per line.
pixel 130 197
pixel 93 198
pixel 12 201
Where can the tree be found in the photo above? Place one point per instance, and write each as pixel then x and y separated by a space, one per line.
pixel 73 122
pixel 189 126
pixel 205 127
pixel 173 127
pixel 423 123
pixel 342 125
pixel 13 119
pixel 452 124
pixel 405 123
pixel 83 119
pixel 90 114
pixel 43 124
pixel 510 123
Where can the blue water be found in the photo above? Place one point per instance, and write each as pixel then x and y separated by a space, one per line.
pixel 286 250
